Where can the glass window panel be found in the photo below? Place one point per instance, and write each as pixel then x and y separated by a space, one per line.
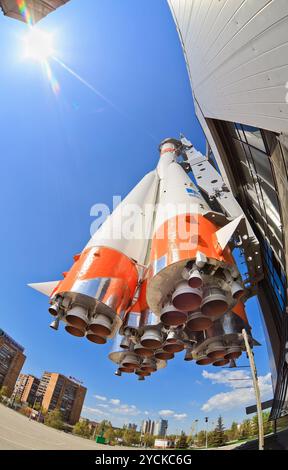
pixel 272 208
pixel 240 132
pixel 254 137
pixel 262 165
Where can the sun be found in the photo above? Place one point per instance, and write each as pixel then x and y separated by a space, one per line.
pixel 38 45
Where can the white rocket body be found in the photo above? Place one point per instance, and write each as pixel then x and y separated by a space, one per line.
pixel 157 271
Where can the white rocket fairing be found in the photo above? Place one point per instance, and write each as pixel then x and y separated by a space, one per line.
pixel 158 275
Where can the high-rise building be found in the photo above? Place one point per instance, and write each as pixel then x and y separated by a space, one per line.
pixel 154 428
pixel 147 427
pixel 57 391
pixel 237 59
pixel 132 426
pixel 11 361
pixel 26 388
pixel 160 428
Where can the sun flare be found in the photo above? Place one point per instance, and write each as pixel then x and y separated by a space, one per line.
pixel 38 45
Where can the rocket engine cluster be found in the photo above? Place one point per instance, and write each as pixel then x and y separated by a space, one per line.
pixel 171 285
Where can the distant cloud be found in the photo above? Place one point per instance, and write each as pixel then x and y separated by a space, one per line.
pixel 94 411
pixel 126 410
pixel 172 414
pixel 180 416
pixel 100 397
pixel 115 401
pixel 229 377
pixel 238 397
pixel 166 412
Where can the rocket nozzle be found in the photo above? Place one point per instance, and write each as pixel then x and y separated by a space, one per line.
pixel 55 307
pixel 186 298
pixel 164 355
pixel 74 331
pixel 214 303
pixel 198 322
pixel 171 316
pixel 195 279
pixel 233 352
pixel 91 336
pixel 77 316
pixel 101 325
pixel 151 339
pixel 221 362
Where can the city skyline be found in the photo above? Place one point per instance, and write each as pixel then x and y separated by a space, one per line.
pixel 79 125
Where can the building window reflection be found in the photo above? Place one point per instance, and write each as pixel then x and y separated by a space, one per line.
pixel 262 202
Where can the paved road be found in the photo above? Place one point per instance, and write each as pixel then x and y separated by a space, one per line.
pixel 18 433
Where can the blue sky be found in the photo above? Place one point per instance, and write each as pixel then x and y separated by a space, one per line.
pixel 62 154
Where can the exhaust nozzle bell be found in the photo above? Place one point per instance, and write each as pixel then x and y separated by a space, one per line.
pixel 101 325
pixel 125 343
pixel 141 377
pixel 142 373
pixel 203 360
pixel 216 350
pixel 55 324
pixel 77 316
pixel 214 303
pixel 233 352
pixel 90 335
pixel 55 307
pixel 198 322
pixel 130 360
pixel 186 298
pixel 118 373
pixel 163 355
pixel 188 355
pixel 195 279
pixel 173 344
pixel 74 331
pixel 151 339
pixel 171 316
pixel 220 362
pixel 148 365
pixel 142 352
pixel 237 290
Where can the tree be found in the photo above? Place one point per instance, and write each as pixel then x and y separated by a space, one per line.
pixel 233 432
pixel 245 429
pixel 37 407
pixel 183 441
pixel 102 426
pixel 130 437
pixel 54 419
pixel 82 429
pixel 109 434
pixel 200 438
pixel 4 392
pixel 219 438
pixel 267 425
pixel 148 440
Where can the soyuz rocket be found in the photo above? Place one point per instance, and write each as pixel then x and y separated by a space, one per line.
pixel 170 284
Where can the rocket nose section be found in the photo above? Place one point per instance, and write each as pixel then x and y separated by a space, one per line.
pixel 45 288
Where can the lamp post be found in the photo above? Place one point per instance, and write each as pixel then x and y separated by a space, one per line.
pixel 256 389
pixel 206 421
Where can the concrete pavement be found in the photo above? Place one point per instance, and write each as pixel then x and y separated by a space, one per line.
pixel 18 433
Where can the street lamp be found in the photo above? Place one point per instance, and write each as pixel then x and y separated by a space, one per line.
pixel 206 421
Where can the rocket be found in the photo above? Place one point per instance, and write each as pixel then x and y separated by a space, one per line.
pixel 158 276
